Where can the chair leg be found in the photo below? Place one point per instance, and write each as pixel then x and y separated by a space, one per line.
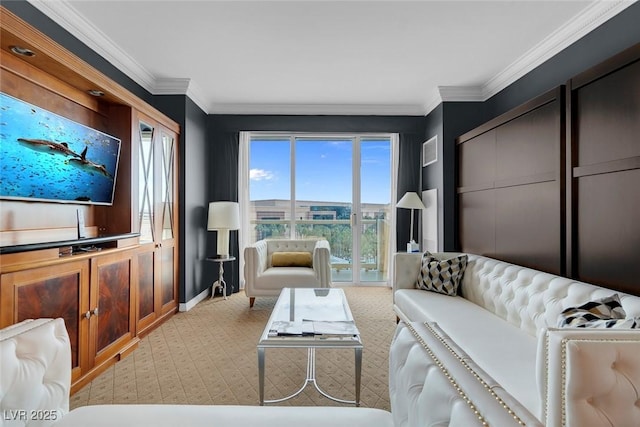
pixel 251 301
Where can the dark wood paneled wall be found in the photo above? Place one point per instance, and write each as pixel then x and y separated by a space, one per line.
pixel 555 185
pixel 510 185
pixel 603 170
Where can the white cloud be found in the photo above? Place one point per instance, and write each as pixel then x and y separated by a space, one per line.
pixel 260 174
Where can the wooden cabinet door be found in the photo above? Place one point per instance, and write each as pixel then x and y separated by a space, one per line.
pixel 148 298
pixel 168 223
pixel 111 305
pixel 156 195
pixel 54 291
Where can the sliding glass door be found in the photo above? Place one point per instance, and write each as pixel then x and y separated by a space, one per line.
pixel 336 187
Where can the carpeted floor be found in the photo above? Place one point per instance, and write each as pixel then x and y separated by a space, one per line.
pixel 208 356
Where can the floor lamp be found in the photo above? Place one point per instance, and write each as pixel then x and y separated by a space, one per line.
pixel 410 200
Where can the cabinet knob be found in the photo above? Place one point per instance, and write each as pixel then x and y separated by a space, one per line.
pixel 90 313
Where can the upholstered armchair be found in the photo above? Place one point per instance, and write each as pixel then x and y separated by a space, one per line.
pixel 270 265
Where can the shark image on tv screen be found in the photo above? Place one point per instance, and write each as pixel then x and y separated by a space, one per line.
pixel 46 157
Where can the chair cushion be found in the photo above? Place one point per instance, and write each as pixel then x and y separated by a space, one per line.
pixel 276 278
pixel 291 259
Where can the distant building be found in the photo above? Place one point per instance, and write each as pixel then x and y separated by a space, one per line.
pixel 278 209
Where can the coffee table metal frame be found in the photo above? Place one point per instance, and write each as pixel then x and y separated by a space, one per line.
pixel 311 343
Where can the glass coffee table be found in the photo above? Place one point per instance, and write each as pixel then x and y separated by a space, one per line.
pixel 311 319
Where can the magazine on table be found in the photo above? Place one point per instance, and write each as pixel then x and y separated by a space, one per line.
pixel 339 328
pixel 309 327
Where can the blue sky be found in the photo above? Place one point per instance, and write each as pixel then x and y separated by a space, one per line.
pixel 323 170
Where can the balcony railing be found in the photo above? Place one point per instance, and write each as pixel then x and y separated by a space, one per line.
pixel 339 234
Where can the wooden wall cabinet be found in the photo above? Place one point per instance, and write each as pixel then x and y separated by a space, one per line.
pixel 93 293
pixel 155 158
pixel 109 297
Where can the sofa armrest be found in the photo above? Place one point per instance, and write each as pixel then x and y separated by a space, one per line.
pixel 406 267
pixel 322 262
pixel 589 377
pixel 35 372
pixel 432 381
pixel 255 262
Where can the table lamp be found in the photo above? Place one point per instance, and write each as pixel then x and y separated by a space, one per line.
pixel 410 200
pixel 223 216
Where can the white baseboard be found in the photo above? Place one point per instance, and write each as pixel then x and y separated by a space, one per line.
pixel 193 301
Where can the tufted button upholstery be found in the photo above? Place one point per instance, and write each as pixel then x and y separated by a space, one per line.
pixel 432 382
pixel 505 321
pixel 529 299
pixel 35 378
pixel 593 377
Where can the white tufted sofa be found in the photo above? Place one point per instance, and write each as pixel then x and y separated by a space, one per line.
pixel 503 327
pixel 262 279
pixel 35 378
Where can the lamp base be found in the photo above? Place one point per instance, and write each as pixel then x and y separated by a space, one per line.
pixel 412 246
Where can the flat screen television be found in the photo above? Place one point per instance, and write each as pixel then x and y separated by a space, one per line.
pixel 46 157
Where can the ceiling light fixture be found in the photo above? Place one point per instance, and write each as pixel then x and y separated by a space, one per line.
pixel 23 51
pixel 95 92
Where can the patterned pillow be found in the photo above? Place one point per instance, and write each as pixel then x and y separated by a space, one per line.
pixel 442 276
pixel 631 323
pixel 602 313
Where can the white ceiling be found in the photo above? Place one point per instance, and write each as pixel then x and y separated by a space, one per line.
pixel 327 57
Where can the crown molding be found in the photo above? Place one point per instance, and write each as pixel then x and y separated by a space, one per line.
pixel 586 21
pixel 433 100
pixel 195 93
pixel 319 109
pixel 68 18
pixel 171 86
pixel 461 93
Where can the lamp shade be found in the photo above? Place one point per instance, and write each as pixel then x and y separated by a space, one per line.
pixel 410 200
pixel 223 216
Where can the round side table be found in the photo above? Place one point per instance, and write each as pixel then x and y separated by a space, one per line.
pixel 220 283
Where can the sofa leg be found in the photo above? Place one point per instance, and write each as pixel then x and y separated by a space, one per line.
pixel 251 301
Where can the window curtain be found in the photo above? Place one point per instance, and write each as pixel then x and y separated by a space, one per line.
pixel 409 179
pixel 243 200
pixel 391 248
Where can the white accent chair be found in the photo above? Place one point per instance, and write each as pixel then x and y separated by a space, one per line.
pixel 261 278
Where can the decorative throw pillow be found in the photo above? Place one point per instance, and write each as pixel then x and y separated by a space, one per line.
pixel 630 323
pixel 291 259
pixel 441 275
pixel 601 313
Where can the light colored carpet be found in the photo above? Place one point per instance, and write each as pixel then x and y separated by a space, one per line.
pixel 208 356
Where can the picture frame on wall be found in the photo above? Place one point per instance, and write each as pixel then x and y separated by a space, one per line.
pixel 430 151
